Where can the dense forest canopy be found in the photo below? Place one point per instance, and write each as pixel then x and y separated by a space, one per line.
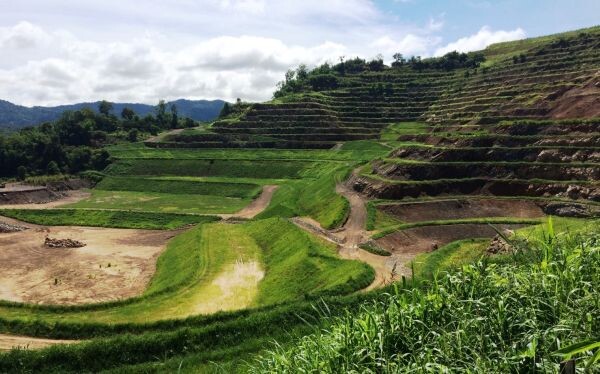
pixel 74 142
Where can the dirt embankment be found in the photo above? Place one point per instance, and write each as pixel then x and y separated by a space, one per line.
pixel 499 154
pixel 462 208
pixel 397 191
pixel 406 244
pixel 578 102
pixel 115 264
pixel 20 194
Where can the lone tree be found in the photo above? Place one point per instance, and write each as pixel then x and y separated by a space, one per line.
pixel 161 114
pixel 105 107
pixel 127 114
pixel 174 117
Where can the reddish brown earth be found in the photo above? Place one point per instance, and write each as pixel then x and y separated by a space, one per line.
pixel 406 244
pixel 578 102
pixel 462 208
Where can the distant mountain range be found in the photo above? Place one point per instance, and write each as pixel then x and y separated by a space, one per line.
pixel 14 116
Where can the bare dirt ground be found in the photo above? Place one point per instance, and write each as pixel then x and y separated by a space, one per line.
pixel 7 342
pixel 114 264
pixel 462 208
pixel 257 206
pixel 406 244
pixel 69 198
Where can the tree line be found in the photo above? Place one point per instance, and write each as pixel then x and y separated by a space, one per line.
pixel 327 76
pixel 75 141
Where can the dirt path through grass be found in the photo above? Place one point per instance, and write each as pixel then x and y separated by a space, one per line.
pixel 257 206
pixel 351 235
pixel 8 342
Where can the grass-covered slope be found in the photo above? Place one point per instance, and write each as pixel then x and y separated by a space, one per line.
pixel 484 318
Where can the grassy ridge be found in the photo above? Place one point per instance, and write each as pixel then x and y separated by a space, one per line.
pixel 241 190
pixel 449 257
pixel 308 265
pixel 312 197
pixel 106 218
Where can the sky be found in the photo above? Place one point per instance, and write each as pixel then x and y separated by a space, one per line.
pixel 65 51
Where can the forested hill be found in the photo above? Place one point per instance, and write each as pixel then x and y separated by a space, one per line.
pixel 16 116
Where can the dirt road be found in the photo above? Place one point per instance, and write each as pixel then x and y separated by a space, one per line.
pixel 255 207
pixel 352 234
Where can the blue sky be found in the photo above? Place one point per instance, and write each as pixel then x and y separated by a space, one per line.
pixel 64 51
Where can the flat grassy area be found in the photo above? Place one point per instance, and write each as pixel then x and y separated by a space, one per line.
pixel 174 186
pixel 106 218
pixel 161 202
pixel 210 168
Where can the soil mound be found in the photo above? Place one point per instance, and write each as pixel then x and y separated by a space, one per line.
pixel 63 243
pixel 6 228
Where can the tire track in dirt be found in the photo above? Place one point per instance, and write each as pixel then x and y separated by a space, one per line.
pixel 256 206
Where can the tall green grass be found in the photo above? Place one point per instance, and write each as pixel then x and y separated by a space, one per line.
pixel 486 318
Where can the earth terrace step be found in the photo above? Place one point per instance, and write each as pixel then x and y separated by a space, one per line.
pixel 297 130
pixel 270 144
pixel 280 124
pixel 503 140
pixel 528 154
pixel 508 170
pixel 381 189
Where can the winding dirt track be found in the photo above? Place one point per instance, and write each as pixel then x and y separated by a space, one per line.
pixel 256 206
pixel 351 235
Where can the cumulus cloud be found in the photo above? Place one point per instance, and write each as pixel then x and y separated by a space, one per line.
pixel 22 35
pixel 484 37
pixel 222 67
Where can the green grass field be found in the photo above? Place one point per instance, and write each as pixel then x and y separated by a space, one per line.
pixel 161 202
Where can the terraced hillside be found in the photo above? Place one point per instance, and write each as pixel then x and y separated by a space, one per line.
pixel 537 79
pixel 206 245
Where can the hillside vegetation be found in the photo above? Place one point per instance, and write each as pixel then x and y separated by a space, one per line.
pixel 406 227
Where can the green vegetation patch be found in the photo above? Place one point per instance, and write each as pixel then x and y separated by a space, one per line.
pixel 211 168
pixel 241 190
pixel 106 218
pixel 300 265
pixel 161 202
pixel 450 257
pixel 485 319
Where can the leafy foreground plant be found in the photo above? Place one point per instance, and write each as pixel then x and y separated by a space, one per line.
pixel 487 318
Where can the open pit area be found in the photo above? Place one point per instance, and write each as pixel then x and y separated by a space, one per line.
pixel 114 264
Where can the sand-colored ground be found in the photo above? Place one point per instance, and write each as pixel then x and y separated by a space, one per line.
pixel 8 342
pixel 114 264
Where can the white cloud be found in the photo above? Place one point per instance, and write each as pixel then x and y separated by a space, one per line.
pixel 484 37
pixel 409 45
pixel 140 71
pixel 22 35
